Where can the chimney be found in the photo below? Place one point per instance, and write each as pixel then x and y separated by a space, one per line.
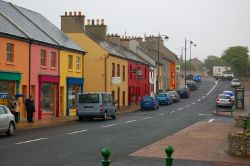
pixel 98 29
pixel 72 23
pixel 114 38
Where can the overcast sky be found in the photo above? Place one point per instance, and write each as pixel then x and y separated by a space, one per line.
pixel 213 25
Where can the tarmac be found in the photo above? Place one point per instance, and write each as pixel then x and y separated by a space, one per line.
pixel 202 141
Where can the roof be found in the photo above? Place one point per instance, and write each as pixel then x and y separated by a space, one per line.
pixel 116 49
pixel 28 24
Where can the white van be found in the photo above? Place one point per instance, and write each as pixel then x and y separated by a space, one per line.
pixel 95 104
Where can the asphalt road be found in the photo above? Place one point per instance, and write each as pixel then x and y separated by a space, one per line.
pixel 80 143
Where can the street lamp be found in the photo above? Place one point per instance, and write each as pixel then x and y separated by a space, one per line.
pixel 158 61
pixel 185 64
pixel 191 43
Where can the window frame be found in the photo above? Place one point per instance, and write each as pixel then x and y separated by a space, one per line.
pixel 123 73
pixel 53 60
pixel 10 53
pixel 78 64
pixel 70 62
pixel 118 70
pixel 113 69
pixel 43 57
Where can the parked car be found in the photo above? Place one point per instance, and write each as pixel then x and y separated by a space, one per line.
pixel 7 121
pixel 197 78
pixel 192 85
pixel 230 93
pixel 149 102
pixel 96 104
pixel 235 83
pixel 224 100
pixel 164 98
pixel 183 91
pixel 175 96
pixel 189 77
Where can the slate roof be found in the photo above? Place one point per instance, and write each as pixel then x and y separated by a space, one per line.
pixel 116 50
pixel 25 23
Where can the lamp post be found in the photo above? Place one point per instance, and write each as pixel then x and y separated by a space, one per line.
pixel 191 43
pixel 185 64
pixel 158 61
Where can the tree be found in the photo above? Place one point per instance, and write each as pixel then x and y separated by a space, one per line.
pixel 211 61
pixel 237 57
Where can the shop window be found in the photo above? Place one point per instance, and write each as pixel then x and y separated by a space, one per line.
pixel 113 70
pixel 123 73
pixel 78 63
pixel 53 59
pixel 43 60
pixel 73 90
pixel 118 70
pixel 70 62
pixel 48 97
pixel 10 53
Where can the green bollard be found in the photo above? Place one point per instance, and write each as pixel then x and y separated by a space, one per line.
pixel 105 154
pixel 245 124
pixel 169 160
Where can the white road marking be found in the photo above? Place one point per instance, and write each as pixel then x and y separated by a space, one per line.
pixel 203 97
pixel 198 100
pixel 171 112
pixel 109 125
pixel 212 88
pixel 204 114
pixel 34 140
pixel 211 120
pixel 149 117
pixel 187 105
pixel 161 115
pixel 79 131
pixel 179 109
pixel 194 103
pixel 130 121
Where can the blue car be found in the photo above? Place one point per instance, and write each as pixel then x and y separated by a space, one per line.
pixel 149 102
pixel 197 78
pixel 230 93
pixel 164 98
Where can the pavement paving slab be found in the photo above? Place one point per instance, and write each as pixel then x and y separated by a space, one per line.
pixel 203 141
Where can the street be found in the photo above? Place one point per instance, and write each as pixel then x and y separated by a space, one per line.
pixel 80 143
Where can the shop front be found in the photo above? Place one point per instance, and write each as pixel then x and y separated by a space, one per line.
pixel 74 86
pixel 48 106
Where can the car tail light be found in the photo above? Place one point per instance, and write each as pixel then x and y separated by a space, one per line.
pixel 101 109
pixel 217 99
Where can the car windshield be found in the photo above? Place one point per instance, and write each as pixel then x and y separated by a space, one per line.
pixel 224 97
pixel 228 93
pixel 147 98
pixel 161 95
pixel 235 80
pixel 89 98
pixel 171 92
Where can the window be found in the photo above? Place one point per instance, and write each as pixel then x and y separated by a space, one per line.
pixel 105 98
pixel 123 73
pixel 118 70
pixel 70 62
pixel 113 70
pixel 10 52
pixel 78 63
pixel 130 71
pixel 2 110
pixel 53 59
pixel 43 59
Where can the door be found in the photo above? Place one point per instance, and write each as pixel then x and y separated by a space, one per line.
pixel 118 97
pixel 3 119
pixel 61 103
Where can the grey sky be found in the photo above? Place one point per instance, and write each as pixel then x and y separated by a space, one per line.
pixel 213 25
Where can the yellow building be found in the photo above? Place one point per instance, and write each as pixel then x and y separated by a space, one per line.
pixel 71 80
pixel 103 72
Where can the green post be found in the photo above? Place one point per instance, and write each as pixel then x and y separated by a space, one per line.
pixel 245 124
pixel 105 154
pixel 169 160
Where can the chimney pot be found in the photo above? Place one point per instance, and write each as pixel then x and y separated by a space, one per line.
pixel 93 22
pixel 88 22
pixel 97 21
pixel 70 13
pixel 66 13
pixel 74 13
pixel 102 21
pixel 79 13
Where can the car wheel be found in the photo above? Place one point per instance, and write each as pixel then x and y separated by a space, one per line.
pixel 11 129
pixel 114 116
pixel 80 118
pixel 104 116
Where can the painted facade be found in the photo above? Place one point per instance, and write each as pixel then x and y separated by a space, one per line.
pixel 44 80
pixel 138 83
pixel 14 69
pixel 71 80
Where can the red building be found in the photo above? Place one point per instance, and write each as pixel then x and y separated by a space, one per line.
pixel 138 81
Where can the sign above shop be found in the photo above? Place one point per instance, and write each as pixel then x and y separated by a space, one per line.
pixel 116 80
pixel 3 95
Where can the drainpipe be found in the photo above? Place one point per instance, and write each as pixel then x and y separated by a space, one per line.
pixel 30 42
pixel 105 71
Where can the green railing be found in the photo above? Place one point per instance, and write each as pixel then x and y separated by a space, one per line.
pixel 168 150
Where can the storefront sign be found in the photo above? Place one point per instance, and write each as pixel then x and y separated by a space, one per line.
pixel 3 98
pixel 116 80
pixel 139 74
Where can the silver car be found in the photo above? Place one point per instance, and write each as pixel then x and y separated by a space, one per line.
pixel 175 96
pixel 235 83
pixel 224 100
pixel 7 121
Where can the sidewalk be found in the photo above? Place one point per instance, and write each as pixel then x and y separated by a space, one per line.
pixel 61 120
